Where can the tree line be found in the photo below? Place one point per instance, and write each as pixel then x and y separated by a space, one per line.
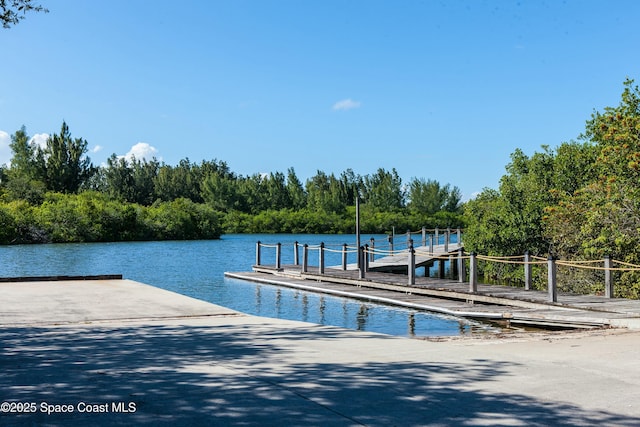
pixel 579 201
pixel 53 192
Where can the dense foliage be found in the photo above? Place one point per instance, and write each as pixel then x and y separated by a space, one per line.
pixel 53 193
pixel 580 201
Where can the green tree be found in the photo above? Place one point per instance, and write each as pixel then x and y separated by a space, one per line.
pixel 183 219
pixel 383 190
pixel 13 11
pixel 296 193
pixel 62 164
pixel 23 158
pixel 352 185
pixel 118 178
pixel 509 222
pixel 325 193
pixel 603 215
pixel 429 197
pixel 220 192
pixel 276 189
pixel 21 176
pixel 174 182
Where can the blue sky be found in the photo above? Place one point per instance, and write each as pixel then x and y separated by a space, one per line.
pixel 442 90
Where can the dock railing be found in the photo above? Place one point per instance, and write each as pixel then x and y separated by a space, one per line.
pixel 457 262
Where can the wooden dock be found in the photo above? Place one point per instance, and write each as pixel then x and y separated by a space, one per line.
pixel 424 257
pixel 490 302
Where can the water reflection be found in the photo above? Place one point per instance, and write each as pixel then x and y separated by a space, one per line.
pixel 412 325
pixel 362 318
pixel 196 269
pixel 323 305
pixel 279 302
pixel 274 301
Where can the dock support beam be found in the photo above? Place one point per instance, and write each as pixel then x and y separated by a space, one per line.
pixel 608 278
pixel 441 267
pixel 527 271
pixel 473 273
pixel 553 285
pixel 321 259
pixel 453 267
pixel 296 256
pixel 361 256
pixel 278 255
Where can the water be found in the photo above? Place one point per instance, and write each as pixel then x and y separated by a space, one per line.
pixel 196 269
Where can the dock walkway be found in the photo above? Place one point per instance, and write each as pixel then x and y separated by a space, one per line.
pixel 424 256
pixel 490 302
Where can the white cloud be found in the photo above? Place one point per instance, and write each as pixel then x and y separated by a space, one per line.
pixel 142 151
pixel 473 196
pixel 39 140
pixel 97 148
pixel 5 151
pixel 346 104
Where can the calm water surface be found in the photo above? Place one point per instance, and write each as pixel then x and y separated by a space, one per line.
pixel 196 269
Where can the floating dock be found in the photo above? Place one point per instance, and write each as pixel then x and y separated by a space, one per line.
pixel 490 302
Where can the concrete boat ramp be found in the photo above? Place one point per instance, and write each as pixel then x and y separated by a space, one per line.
pixel 118 352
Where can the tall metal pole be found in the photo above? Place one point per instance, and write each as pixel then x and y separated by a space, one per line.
pixel 360 266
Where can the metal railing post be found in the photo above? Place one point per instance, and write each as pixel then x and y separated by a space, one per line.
pixel 361 272
pixel 552 283
pixel 258 248
pixel 473 273
pixel 527 271
pixel 424 236
pixel 373 249
pixel 447 240
pixel 453 267
pixel 411 267
pixel 278 254
pixel 344 256
pixel 461 272
pixel 296 258
pixel 321 259
pixel 365 256
pixel 608 277
pixel 305 258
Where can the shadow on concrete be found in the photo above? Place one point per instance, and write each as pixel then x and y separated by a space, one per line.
pixel 241 375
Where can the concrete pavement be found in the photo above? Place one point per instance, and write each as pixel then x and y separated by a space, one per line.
pixel 124 353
